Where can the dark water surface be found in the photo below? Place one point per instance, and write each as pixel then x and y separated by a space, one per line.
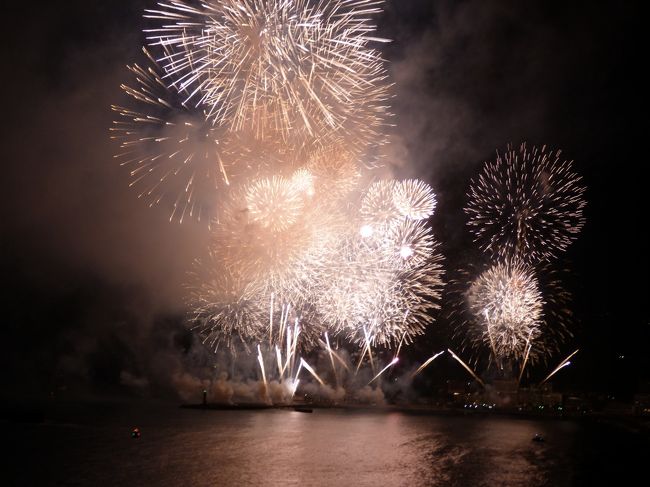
pixel 85 445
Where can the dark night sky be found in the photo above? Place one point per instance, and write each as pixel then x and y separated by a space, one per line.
pixel 92 277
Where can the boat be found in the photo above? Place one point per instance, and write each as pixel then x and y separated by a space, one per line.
pixel 302 409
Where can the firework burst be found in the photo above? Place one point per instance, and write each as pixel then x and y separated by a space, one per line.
pixel 409 244
pixel 499 290
pixel 414 199
pixel 372 292
pixel 224 305
pixel 336 173
pixel 505 310
pixel 282 103
pixel 378 207
pixel 278 68
pixel 274 203
pixel 175 157
pixel 526 204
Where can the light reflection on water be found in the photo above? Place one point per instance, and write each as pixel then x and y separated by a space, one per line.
pixel 283 447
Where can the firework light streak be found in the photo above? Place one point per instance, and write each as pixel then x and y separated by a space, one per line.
pixel 426 363
pixel 329 351
pixel 311 371
pixel 466 367
pixel 366 349
pixel 563 364
pixel 335 355
pixel 288 373
pixel 392 362
pixel 529 346
pixel 490 335
pixel 399 346
pixel 260 359
pixel 526 204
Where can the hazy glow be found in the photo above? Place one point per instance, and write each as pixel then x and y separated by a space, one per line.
pixel 366 231
pixel 405 252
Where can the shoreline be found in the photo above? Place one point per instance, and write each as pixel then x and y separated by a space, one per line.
pixel 641 423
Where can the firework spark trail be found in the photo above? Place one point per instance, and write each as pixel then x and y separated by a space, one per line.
pixel 399 346
pixel 466 367
pixel 366 349
pixel 563 364
pixel 271 321
pixel 491 337
pixel 311 371
pixel 278 68
pixel 336 356
pixel 329 351
pixel 392 362
pixel 260 359
pixel 426 363
pixel 278 357
pixel 526 204
pixel 529 346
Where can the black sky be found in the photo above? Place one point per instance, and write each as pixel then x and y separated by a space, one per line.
pixel 92 278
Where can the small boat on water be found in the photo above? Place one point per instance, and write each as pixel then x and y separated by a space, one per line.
pixel 302 409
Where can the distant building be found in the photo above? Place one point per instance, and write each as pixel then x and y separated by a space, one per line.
pixel 642 404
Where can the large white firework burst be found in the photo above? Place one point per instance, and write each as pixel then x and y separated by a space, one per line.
pixel 278 67
pixel 276 106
